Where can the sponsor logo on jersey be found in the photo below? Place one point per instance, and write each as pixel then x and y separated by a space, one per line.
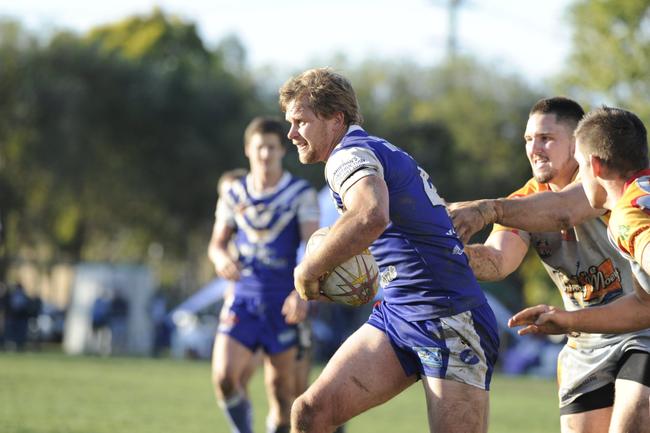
pixel 387 276
pixel 591 286
pixel 457 251
pixel 346 169
pixel 431 356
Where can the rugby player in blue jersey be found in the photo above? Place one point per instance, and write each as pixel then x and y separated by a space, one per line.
pixel 434 323
pixel 268 213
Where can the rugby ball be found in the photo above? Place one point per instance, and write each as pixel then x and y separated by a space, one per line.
pixel 353 282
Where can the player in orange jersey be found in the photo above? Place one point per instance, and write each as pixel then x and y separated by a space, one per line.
pixel 601 376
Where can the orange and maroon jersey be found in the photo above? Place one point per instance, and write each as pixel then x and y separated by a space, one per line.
pixel 630 223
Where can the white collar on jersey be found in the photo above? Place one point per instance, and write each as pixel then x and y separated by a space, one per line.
pixel 284 180
pixel 351 128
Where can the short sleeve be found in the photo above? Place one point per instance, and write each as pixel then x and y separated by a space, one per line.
pixel 347 166
pixel 225 212
pixel 631 233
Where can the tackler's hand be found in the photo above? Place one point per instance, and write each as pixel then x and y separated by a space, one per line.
pixel 470 217
pixel 541 319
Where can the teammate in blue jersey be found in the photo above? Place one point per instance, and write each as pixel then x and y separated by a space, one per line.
pixel 434 323
pixel 267 213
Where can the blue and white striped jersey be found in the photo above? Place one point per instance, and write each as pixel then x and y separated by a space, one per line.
pixel 267 230
pixel 423 266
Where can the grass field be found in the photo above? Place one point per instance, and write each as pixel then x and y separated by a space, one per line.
pixel 54 393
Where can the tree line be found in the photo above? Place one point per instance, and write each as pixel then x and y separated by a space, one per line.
pixel 111 142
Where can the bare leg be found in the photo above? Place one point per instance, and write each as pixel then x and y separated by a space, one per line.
pixel 250 368
pixel 279 377
pixel 362 374
pixel 631 412
pixel 455 407
pixel 229 360
pixel 593 421
pixel 303 366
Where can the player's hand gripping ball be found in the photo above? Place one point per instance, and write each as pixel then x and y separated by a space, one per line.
pixel 353 282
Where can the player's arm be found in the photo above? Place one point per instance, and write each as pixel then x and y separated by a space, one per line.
pixel 498 257
pixel 224 264
pixel 364 220
pixel 540 212
pixel 627 314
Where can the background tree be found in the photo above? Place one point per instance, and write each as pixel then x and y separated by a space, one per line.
pixel 118 138
pixel 610 56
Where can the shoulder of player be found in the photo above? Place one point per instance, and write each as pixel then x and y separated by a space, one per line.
pixel 530 187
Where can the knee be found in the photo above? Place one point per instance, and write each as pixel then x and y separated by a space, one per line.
pixel 224 384
pixel 307 415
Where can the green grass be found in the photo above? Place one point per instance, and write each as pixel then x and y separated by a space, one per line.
pixel 54 393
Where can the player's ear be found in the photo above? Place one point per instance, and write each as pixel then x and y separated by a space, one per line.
pixel 597 166
pixel 339 117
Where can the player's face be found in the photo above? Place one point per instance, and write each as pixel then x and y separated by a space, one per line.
pixel 550 148
pixel 314 136
pixel 595 193
pixel 265 152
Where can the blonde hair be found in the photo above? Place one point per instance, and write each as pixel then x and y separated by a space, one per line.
pixel 327 93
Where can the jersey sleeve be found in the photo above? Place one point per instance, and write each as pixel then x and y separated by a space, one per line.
pixel 631 233
pixel 308 209
pixel 347 166
pixel 225 211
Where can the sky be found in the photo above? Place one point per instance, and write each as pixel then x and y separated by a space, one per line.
pixel 530 38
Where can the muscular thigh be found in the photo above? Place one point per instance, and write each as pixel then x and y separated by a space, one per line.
pixel 632 404
pixel 455 407
pixel 363 373
pixel 230 358
pixel 624 377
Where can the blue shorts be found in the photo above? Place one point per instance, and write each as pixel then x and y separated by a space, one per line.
pixel 258 323
pixel 462 348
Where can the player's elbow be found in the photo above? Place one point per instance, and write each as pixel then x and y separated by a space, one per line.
pixel 566 220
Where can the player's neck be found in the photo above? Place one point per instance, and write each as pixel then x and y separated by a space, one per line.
pixel 265 179
pixel 560 181
pixel 557 184
pixel 337 139
pixel 614 189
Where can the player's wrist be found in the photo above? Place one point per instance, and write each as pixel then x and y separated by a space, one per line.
pixel 306 272
pixel 488 211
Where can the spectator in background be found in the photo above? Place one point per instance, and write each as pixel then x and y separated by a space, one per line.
pixel 158 312
pixel 100 315
pixel 118 322
pixel 20 308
